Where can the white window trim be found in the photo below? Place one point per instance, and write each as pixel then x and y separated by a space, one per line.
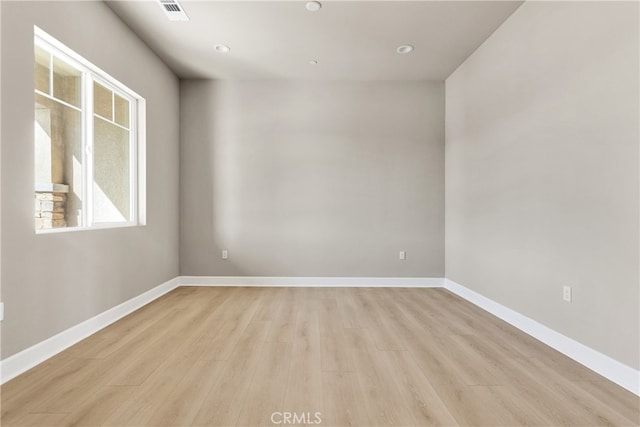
pixel 137 145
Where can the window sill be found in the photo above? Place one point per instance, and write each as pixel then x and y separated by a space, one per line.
pixel 93 227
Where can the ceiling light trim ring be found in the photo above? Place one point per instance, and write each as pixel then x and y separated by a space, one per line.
pixel 313 6
pixel 404 48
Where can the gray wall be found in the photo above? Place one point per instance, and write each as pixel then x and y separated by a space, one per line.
pixel 312 178
pixel 542 170
pixel 1 96
pixel 54 281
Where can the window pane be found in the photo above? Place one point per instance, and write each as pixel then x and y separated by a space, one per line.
pixel 58 164
pixel 102 101
pixel 122 111
pixel 41 69
pixel 66 82
pixel 111 173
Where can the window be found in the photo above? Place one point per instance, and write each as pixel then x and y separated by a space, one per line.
pixel 87 141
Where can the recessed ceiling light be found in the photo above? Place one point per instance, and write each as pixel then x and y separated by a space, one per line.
pixel 313 62
pixel 405 48
pixel 222 48
pixel 313 6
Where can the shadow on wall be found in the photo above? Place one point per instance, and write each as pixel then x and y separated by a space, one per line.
pixel 197 164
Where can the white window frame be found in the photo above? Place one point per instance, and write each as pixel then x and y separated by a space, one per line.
pixel 137 115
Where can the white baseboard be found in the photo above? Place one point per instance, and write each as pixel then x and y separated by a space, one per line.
pixel 609 368
pixel 350 282
pixel 21 362
pixel 604 365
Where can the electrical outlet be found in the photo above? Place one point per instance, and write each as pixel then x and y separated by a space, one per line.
pixel 225 254
pixel 403 255
pixel 566 293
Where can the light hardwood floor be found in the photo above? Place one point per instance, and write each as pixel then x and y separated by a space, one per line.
pixel 358 356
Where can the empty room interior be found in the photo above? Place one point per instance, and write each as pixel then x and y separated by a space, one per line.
pixel 331 213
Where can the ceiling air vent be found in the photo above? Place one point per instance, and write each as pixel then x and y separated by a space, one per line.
pixel 173 10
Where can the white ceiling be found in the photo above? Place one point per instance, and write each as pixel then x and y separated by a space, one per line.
pixel 351 40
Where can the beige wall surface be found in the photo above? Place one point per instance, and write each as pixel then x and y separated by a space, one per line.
pixel 51 282
pixel 542 170
pixel 312 178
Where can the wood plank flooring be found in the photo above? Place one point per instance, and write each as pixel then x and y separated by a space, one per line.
pixel 356 356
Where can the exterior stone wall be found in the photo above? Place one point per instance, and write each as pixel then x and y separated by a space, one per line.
pixel 50 210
